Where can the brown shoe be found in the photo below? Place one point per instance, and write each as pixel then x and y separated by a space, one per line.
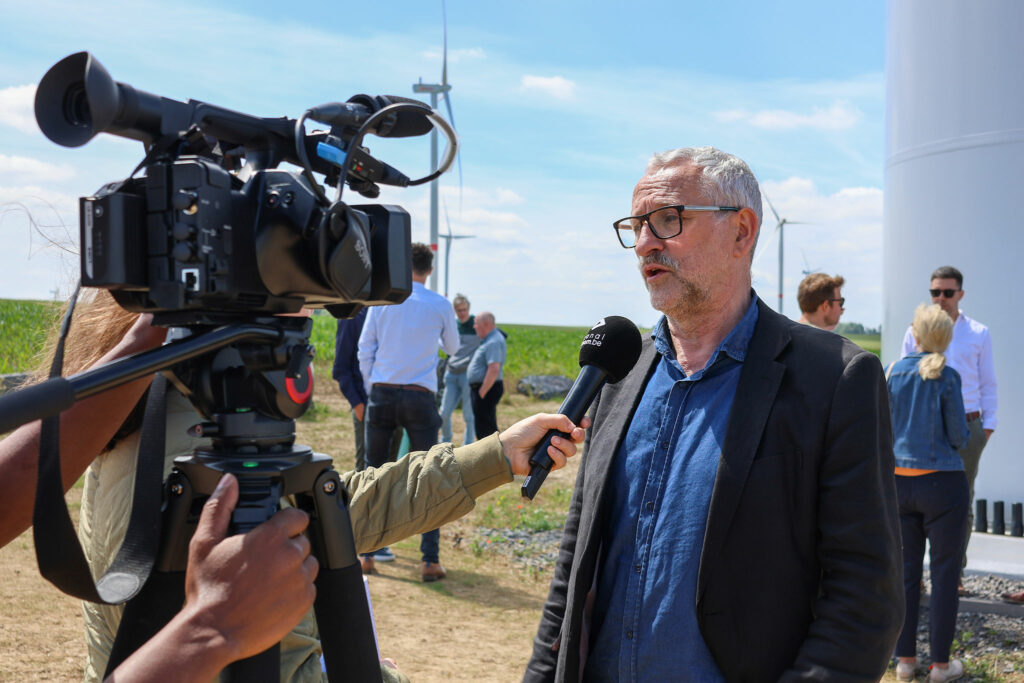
pixel 433 571
pixel 366 563
pixel 1014 598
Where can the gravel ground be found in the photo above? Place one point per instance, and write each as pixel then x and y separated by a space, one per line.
pixel 977 634
pixel 980 634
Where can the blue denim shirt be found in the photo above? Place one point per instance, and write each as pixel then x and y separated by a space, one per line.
pixel 928 420
pixel 644 618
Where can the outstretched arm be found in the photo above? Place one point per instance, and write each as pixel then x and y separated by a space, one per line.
pixel 424 490
pixel 85 430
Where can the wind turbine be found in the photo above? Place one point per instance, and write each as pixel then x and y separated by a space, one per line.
pixel 807 269
pixel 448 248
pixel 436 89
pixel 780 227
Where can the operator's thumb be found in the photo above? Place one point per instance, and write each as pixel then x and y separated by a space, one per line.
pixel 216 515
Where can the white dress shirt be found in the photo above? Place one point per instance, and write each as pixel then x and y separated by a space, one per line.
pixel 398 344
pixel 970 354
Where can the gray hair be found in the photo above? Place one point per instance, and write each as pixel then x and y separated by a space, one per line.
pixel 726 179
pixel 460 299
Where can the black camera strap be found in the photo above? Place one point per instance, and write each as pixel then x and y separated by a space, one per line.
pixel 59 554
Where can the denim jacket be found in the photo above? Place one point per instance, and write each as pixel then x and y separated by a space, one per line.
pixel 928 420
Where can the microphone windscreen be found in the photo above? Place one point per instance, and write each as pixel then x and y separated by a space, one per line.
pixel 613 345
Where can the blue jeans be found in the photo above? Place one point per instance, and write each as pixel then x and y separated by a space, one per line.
pixel 416 411
pixel 934 507
pixel 456 391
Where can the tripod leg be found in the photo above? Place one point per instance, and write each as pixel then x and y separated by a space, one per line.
pixel 342 611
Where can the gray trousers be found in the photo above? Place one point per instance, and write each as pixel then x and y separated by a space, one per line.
pixel 971 455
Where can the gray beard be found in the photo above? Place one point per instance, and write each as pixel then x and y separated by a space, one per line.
pixel 694 297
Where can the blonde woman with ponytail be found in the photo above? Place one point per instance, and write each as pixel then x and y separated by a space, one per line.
pixel 929 426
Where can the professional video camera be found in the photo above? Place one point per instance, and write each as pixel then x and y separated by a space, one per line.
pixel 215 240
pixel 202 238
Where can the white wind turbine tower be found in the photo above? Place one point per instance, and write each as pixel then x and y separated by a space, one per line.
pixel 780 227
pixel 436 89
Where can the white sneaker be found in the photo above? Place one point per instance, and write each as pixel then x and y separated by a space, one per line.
pixel 906 671
pixel 954 671
pixel 384 555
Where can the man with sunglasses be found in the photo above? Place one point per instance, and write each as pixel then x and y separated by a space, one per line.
pixel 735 515
pixel 821 300
pixel 970 354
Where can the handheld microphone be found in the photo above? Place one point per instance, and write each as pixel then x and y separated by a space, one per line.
pixel 607 354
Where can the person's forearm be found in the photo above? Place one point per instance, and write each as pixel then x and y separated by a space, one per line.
pixel 489 379
pixel 85 430
pixel 184 650
pixel 422 491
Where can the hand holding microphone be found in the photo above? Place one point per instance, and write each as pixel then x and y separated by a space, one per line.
pixel 608 352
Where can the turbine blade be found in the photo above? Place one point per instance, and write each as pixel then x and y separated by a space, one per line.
pixel 764 244
pixel 458 153
pixel 777 219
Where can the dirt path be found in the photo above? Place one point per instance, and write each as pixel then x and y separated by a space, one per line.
pixel 477 625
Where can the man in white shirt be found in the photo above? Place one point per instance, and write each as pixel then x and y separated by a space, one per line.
pixel 970 354
pixel 398 358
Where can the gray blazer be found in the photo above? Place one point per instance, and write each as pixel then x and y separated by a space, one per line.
pixel 800 576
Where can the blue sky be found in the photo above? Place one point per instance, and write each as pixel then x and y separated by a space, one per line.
pixel 558 105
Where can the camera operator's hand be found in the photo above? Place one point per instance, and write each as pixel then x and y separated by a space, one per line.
pixel 242 594
pixel 519 441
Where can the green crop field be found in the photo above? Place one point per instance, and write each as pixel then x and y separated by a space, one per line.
pixel 23 329
pixel 532 349
pixel 868 342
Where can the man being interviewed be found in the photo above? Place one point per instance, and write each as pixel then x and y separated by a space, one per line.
pixel 734 518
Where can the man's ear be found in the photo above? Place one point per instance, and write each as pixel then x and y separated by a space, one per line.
pixel 745 223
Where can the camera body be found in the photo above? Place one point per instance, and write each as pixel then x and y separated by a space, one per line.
pixel 191 237
pixel 202 239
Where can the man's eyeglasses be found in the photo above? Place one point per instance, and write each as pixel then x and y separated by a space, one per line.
pixel 841 300
pixel 665 222
pixel 948 293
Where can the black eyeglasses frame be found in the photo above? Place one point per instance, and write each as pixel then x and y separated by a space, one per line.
pixel 645 218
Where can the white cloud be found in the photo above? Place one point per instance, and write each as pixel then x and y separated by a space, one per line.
pixel 17 108
pixel 508 197
pixel 839 116
pixel 553 86
pixel 25 170
pixel 839 233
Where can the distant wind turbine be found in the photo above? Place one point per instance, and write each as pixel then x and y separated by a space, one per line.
pixel 807 269
pixel 436 89
pixel 780 227
pixel 448 248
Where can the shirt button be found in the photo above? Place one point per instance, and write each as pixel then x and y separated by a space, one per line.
pixel 664 445
pixel 637 567
pixel 650 507
pixel 629 634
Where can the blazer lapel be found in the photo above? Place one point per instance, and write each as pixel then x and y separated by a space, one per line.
pixel 618 403
pixel 759 383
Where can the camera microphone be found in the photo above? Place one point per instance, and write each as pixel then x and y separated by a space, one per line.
pixel 608 352
pixel 359 108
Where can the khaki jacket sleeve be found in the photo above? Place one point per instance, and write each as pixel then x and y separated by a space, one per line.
pixel 422 491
